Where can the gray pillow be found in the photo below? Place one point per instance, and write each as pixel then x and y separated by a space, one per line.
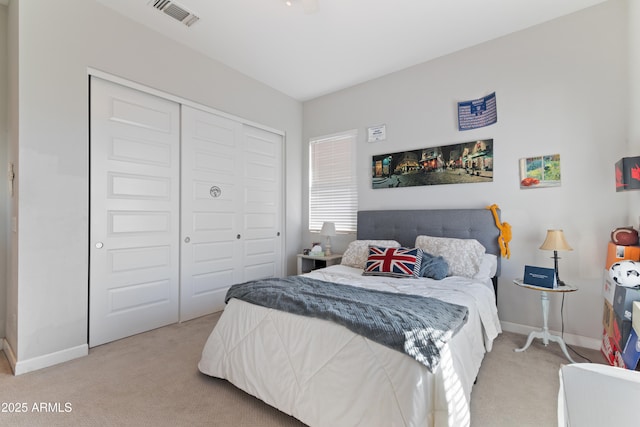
pixel 433 267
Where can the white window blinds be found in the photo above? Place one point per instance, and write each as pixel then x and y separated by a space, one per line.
pixel 333 194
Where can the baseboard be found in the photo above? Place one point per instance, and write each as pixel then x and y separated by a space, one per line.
pixel 44 361
pixel 570 339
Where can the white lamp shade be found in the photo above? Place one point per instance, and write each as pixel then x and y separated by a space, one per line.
pixel 328 229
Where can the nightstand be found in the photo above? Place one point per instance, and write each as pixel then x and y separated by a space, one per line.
pixel 544 334
pixel 307 263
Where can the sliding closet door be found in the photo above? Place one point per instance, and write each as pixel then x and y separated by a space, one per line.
pixel 211 205
pixel 134 226
pixel 262 200
pixel 231 208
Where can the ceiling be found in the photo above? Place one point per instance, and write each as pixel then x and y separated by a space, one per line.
pixel 342 43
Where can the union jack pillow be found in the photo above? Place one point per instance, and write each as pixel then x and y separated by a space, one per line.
pixel 393 262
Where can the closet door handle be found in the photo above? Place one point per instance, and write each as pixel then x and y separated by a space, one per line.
pixel 238 236
pixel 187 239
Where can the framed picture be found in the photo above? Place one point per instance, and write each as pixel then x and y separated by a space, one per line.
pixel 467 162
pixel 540 172
pixel 377 133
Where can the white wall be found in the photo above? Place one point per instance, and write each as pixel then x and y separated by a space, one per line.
pixel 561 88
pixel 47 319
pixel 12 155
pixel 634 103
pixel 3 162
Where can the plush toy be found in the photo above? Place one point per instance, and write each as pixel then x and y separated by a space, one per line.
pixel 624 236
pixel 625 273
pixel 316 250
pixel 505 232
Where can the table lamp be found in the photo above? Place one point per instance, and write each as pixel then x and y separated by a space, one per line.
pixel 555 242
pixel 328 229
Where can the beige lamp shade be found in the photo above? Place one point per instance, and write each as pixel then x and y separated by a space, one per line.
pixel 555 241
pixel 328 229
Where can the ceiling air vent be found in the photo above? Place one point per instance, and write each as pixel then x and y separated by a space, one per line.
pixel 175 11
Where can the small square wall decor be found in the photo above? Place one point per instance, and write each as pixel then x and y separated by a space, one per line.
pixel 540 171
pixel 628 174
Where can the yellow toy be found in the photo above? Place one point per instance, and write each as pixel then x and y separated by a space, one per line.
pixel 505 232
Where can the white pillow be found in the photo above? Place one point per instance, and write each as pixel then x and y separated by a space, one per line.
pixel 358 251
pixel 464 256
pixel 488 267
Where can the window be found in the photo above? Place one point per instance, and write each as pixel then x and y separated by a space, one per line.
pixel 333 194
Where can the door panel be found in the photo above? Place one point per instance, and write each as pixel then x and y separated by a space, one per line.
pixel 211 227
pixel 184 203
pixel 262 234
pixel 231 208
pixel 134 212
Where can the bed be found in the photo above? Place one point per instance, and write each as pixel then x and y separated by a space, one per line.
pixel 324 374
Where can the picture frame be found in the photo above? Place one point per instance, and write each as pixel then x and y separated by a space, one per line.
pixel 377 133
pixel 540 171
pixel 467 162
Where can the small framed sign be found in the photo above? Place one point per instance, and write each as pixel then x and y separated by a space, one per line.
pixel 377 133
pixel 540 276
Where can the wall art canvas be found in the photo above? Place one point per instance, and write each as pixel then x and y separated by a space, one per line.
pixel 462 163
pixel 477 113
pixel 540 172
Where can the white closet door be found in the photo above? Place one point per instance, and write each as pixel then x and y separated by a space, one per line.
pixel 212 181
pixel 262 190
pixel 134 258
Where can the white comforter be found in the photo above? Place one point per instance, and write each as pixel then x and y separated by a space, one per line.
pixel 325 375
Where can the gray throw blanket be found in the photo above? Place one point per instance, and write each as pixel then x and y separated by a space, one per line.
pixel 418 326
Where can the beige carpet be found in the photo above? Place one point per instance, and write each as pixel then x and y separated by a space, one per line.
pixel 152 380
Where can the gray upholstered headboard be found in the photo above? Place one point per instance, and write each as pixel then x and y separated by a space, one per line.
pixel 405 225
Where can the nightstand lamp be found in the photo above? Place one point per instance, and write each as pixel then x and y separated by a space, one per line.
pixel 328 229
pixel 555 242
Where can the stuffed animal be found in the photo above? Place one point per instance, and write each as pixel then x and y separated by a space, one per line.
pixel 626 273
pixel 624 236
pixel 316 250
pixel 505 232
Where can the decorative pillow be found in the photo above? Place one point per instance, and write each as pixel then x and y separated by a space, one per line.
pixel 393 262
pixel 433 267
pixel 358 251
pixel 463 255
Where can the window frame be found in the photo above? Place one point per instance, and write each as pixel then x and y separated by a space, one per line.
pixel 344 209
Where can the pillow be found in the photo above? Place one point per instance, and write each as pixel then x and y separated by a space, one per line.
pixel 358 251
pixel 393 262
pixel 464 256
pixel 433 267
pixel 488 267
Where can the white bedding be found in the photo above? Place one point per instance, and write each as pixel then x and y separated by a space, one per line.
pixel 325 375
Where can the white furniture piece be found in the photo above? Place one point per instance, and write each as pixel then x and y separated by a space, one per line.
pixel 544 332
pixel 594 395
pixel 307 263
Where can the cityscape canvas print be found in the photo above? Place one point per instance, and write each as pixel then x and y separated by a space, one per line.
pixel 462 163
